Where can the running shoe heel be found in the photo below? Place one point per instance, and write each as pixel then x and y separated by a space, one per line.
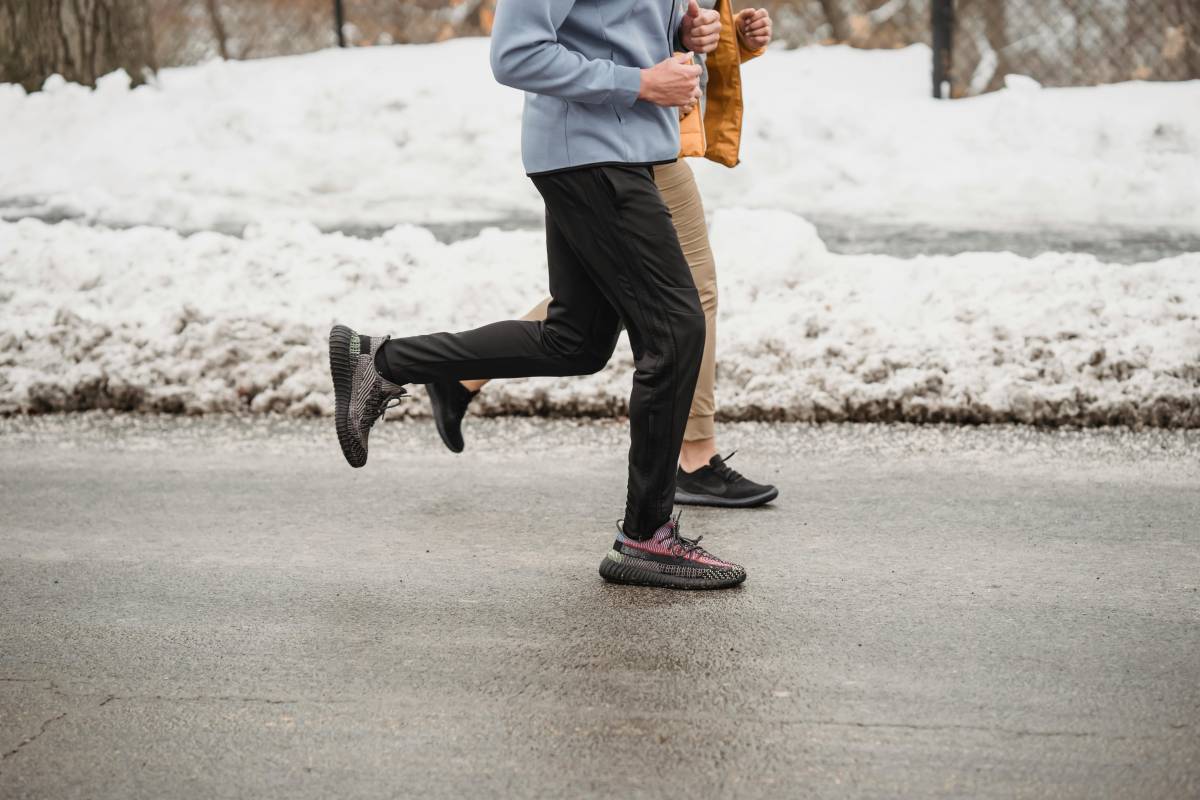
pixel 343 358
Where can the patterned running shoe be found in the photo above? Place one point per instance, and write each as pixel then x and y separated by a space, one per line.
pixel 668 560
pixel 361 394
pixel 450 401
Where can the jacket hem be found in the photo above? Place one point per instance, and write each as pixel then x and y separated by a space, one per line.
pixel 595 164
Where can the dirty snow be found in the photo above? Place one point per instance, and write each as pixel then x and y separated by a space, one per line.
pixel 148 319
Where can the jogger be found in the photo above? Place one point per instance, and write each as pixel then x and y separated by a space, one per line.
pixel 601 93
pixel 613 257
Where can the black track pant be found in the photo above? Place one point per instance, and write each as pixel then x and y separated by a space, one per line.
pixel 614 259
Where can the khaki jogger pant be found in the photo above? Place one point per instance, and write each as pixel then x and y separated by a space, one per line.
pixel 677 185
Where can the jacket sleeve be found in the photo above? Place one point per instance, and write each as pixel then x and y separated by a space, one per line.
pixel 526 55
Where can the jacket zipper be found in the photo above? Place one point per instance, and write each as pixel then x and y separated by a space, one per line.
pixel 671 28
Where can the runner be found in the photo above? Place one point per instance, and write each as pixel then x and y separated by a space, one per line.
pixel 602 93
pixel 713 131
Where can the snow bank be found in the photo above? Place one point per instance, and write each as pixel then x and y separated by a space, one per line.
pixel 393 137
pixel 390 135
pixel 146 319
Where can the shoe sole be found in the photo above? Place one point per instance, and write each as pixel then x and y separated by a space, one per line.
pixel 689 499
pixel 435 400
pixel 341 368
pixel 628 575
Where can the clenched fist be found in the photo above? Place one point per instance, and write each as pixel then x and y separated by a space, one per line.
pixel 673 82
pixel 754 27
pixel 690 106
pixel 701 28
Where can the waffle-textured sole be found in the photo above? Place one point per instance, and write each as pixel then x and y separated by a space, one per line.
pixel 343 359
pixel 688 499
pixel 619 569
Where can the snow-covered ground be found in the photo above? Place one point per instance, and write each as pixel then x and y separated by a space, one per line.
pixel 150 318
pixel 390 135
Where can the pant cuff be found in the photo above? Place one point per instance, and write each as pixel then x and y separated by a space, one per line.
pixel 381 366
pixel 699 428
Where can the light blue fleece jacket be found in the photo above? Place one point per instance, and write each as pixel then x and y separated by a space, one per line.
pixel 579 63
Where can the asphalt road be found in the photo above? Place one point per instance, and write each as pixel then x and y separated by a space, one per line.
pixel 221 608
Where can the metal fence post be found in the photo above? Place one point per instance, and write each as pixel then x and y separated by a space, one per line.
pixel 339 20
pixel 943 46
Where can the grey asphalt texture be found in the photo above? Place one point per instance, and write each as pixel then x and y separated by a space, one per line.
pixel 219 608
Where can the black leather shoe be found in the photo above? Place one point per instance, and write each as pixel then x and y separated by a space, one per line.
pixel 718 485
pixel 450 401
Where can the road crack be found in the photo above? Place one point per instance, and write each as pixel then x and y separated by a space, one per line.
pixel 203 698
pixel 109 697
pixel 30 739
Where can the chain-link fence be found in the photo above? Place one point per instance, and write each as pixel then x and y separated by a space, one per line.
pixel 976 44
pixel 1071 42
pixel 859 23
pixel 1056 42
pixel 189 31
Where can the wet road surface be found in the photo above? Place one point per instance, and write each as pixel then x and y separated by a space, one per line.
pixel 221 608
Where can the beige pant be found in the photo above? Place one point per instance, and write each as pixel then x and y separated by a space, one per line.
pixel 678 187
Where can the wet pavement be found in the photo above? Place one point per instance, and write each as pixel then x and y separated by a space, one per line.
pixel 1118 244
pixel 1114 244
pixel 219 607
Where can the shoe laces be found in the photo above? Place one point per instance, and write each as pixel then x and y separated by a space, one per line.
pixel 681 545
pixel 386 396
pixel 726 472
pixel 387 404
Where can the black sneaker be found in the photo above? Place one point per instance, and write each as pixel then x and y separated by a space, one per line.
pixel 450 401
pixel 669 561
pixel 361 394
pixel 718 485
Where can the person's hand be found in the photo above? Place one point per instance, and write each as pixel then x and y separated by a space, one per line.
pixel 754 27
pixel 673 82
pixel 701 28
pixel 684 110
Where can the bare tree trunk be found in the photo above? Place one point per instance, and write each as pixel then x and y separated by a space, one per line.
pixel 80 41
pixel 1189 16
pixel 32 41
pixel 836 19
pixel 218 26
pixel 995 24
pixel 487 14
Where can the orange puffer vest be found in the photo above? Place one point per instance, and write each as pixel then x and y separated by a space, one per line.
pixel 717 134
